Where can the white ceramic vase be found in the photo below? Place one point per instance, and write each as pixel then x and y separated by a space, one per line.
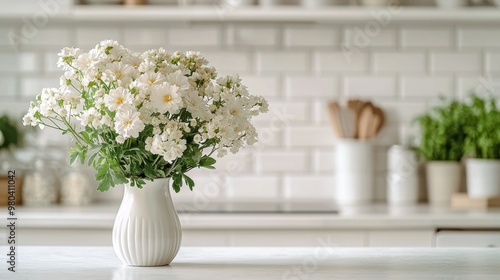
pixel 483 178
pixel 147 231
pixel 443 180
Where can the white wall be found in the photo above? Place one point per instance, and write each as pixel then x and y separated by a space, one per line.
pixel 297 67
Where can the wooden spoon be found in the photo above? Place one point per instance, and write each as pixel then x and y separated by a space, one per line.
pixel 348 121
pixel 334 114
pixel 365 121
pixel 379 113
pixel 378 120
pixel 356 106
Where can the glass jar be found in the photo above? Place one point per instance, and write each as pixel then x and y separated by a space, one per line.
pixel 76 188
pixel 40 184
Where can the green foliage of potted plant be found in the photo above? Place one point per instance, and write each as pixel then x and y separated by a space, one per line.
pixel 483 145
pixel 442 145
pixel 10 134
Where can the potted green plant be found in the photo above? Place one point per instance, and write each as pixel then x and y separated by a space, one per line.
pixel 10 137
pixel 442 145
pixel 10 134
pixel 482 144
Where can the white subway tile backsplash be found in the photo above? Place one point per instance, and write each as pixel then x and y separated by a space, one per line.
pixel 91 36
pixel 207 189
pixel 6 35
pixel 50 63
pixel 18 62
pixel 359 37
pixel 311 86
pixel 283 61
pixel 493 61
pixel 309 136
pixel 369 86
pixel 399 62
pixel 196 36
pixel 252 36
pixel 32 86
pixel 309 187
pixel 228 62
pixel 8 86
pixel 323 161
pixel 267 86
pixel 150 36
pixel 479 37
pixel 402 112
pixel 341 62
pixel 311 37
pixel 298 68
pixel 235 164
pixel 284 161
pixel 428 38
pixel 456 62
pixel 285 113
pixel 262 187
pixel 467 84
pixel 270 134
pixel 412 86
pixel 48 36
pixel 389 135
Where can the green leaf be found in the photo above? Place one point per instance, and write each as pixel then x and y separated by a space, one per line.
pixel 83 155
pixel 207 161
pixel 102 171
pixel 177 182
pixel 188 181
pixel 105 183
pixel 73 155
pixel 90 162
pixel 149 171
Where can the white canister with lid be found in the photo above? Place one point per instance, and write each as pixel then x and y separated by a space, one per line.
pixel 402 177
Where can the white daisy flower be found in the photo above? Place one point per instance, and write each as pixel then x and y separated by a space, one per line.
pixel 118 97
pixel 128 123
pixel 166 98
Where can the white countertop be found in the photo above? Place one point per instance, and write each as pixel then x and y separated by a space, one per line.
pixel 259 263
pixel 101 216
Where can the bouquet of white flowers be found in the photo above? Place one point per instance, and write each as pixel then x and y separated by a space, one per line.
pixel 137 117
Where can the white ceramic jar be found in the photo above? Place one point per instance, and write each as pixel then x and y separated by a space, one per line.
pixel 402 177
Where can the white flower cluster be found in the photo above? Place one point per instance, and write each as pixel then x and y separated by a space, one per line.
pixel 158 96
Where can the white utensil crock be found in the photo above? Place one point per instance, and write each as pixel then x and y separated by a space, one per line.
pixel 147 231
pixel 443 180
pixel 354 172
pixel 483 178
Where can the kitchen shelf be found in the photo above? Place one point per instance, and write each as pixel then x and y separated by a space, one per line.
pixel 279 14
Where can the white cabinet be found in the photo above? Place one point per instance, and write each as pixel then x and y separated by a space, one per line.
pixel 400 238
pixel 468 238
pixel 241 238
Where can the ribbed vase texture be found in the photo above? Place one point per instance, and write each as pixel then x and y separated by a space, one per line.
pixel 147 231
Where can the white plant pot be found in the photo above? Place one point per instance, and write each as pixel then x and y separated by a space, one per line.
pixel 483 178
pixel 443 180
pixel 147 231
pixel 354 173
